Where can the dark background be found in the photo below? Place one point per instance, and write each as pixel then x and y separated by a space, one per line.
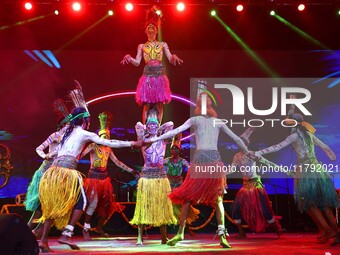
pixel 28 88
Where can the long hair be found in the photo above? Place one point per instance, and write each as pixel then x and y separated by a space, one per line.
pixel 73 123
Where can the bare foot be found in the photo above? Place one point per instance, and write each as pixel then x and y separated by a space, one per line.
pixel 139 241
pixel 44 248
pixel 101 233
pixel 174 240
pixel 67 240
pixel 223 242
pixel 336 239
pixel 327 236
pixel 86 234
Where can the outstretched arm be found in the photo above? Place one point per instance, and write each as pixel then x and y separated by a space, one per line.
pixel 324 147
pixel 173 59
pixel 119 163
pixel 173 132
pixel 112 143
pixel 275 166
pixel 87 150
pixel 289 140
pixel 135 61
pixel 40 149
pixel 236 139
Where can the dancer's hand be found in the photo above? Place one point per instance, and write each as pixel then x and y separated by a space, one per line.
pixel 147 142
pixel 176 60
pixel 137 144
pixel 126 60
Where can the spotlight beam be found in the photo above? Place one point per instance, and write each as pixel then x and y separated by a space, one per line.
pixel 23 22
pixel 248 50
pixel 83 32
pixel 301 33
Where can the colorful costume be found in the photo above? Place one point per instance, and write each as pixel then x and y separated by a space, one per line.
pixel 201 190
pixel 153 86
pixel 174 171
pixel 153 207
pixel 32 202
pixel 60 190
pixel 313 188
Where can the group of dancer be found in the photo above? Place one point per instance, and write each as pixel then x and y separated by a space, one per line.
pixel 59 195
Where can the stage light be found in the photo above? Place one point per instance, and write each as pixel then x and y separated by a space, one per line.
pixel 76 6
pixel 56 12
pixel 28 6
pixel 272 13
pixel 110 12
pixel 180 6
pixel 301 7
pixel 239 7
pixel 159 12
pixel 213 13
pixel 129 7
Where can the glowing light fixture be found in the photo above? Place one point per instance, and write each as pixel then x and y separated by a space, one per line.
pixel 76 6
pixel 180 6
pixel 129 7
pixel 28 6
pixel 301 7
pixel 239 7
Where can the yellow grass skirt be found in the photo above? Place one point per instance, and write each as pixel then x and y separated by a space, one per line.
pixel 59 191
pixel 153 207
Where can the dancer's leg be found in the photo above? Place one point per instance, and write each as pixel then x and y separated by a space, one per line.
pixel 140 234
pixel 320 220
pixel 44 238
pixel 180 233
pixel 160 107
pixel 68 231
pixel 146 108
pixel 35 215
pixel 163 233
pixel 221 231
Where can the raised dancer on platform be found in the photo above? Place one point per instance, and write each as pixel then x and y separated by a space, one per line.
pixel 153 207
pixel 153 86
pixel 98 185
pixel 199 187
pixel 314 191
pixel 252 202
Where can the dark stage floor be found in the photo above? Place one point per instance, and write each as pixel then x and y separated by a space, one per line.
pixel 259 244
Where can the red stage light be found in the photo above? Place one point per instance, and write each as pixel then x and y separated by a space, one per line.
pixel 301 7
pixel 180 6
pixel 28 6
pixel 239 7
pixel 129 7
pixel 76 6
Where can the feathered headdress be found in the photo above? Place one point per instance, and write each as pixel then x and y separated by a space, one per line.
pixel 105 119
pixel 77 96
pixel 153 16
pixel 60 108
pixel 152 116
pixel 78 100
pixel 176 141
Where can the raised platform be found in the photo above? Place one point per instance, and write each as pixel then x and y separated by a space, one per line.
pixel 259 244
